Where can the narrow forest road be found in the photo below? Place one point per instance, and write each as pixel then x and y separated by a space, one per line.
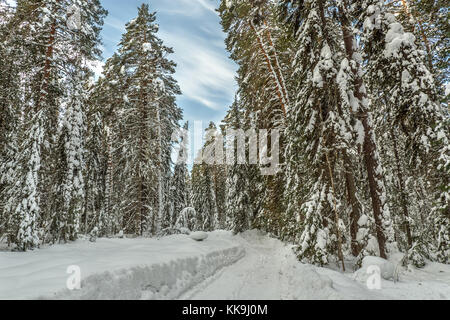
pixel 269 270
pixel 264 273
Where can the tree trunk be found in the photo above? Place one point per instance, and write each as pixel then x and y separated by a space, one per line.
pixel 356 209
pixel 279 90
pixel 404 199
pixel 278 69
pixel 160 168
pixel 372 165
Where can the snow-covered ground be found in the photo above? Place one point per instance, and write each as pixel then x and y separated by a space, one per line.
pixel 250 266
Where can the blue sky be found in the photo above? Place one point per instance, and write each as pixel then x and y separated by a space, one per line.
pixel 204 72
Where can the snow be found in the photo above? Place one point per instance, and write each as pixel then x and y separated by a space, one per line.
pixel 387 268
pixel 147 47
pixel 198 236
pixel 11 3
pixel 363 220
pixel 250 266
pixel 396 38
pixel 317 77
pixel 116 268
pixel 359 128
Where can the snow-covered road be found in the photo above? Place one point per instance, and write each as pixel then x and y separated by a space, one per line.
pixel 270 271
pixel 251 266
pixel 261 274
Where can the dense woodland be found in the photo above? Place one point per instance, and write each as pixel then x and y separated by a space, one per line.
pixel 357 89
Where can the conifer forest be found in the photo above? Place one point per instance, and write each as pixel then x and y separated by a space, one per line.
pixel 340 150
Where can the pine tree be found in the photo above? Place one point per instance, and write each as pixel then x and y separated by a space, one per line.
pixel 96 213
pixel 319 132
pixel 260 46
pixel 23 196
pixel 108 98
pixel 358 120
pixel 144 108
pixel 428 21
pixel 73 186
pixel 24 200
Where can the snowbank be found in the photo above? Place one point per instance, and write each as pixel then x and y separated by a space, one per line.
pixel 198 236
pixel 116 268
pixel 386 268
pixel 250 266
pixel 157 281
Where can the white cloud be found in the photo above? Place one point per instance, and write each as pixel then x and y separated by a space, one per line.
pixel 204 72
pixel 190 7
pixel 115 23
pixel 208 5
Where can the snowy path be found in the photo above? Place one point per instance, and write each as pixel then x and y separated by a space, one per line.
pixel 251 266
pixel 270 271
pixel 259 275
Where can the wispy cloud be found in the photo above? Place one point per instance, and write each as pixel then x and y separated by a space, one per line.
pixel 191 27
pixel 115 23
pixel 189 7
pixel 207 4
pixel 204 74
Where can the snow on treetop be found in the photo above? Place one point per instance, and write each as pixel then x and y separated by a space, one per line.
pixel 147 47
pixel 396 38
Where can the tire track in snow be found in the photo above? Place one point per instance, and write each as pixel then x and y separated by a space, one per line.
pixel 189 294
pixel 263 273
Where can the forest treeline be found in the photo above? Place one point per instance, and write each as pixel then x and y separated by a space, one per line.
pixel 79 155
pixel 357 89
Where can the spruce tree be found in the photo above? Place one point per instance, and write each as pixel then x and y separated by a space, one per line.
pixel 179 185
pixel 407 104
pixel 238 206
